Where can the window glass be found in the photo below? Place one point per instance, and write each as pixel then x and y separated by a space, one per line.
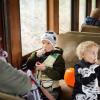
pixel 33 24
pixel 93 4
pixel 82 11
pixel 64 16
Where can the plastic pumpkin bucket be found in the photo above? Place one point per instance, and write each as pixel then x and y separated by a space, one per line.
pixel 69 77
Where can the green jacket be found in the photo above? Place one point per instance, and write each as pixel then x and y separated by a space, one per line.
pixel 13 81
pixel 56 72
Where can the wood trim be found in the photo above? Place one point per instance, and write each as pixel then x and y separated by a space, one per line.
pixel 97 3
pixel 53 15
pixel 13 31
pixel 1 27
pixel 88 7
pixel 74 15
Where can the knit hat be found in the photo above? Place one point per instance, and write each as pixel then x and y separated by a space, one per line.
pixel 49 36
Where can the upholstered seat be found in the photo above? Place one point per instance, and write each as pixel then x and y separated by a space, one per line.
pixel 68 42
pixel 4 96
pixel 90 28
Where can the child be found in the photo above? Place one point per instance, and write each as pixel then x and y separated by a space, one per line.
pixel 87 72
pixel 94 18
pixel 49 62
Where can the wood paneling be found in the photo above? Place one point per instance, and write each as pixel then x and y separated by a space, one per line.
pixel 12 31
pixel 74 15
pixel 88 7
pixel 97 3
pixel 53 15
pixel 1 27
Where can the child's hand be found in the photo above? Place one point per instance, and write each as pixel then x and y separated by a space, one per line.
pixel 40 66
pixel 40 52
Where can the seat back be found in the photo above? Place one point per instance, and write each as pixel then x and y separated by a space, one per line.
pixel 4 96
pixel 90 28
pixel 69 41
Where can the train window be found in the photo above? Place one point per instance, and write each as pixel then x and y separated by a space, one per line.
pixel 33 24
pixel 64 16
pixel 82 11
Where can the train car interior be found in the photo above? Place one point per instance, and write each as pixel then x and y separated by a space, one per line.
pixel 22 22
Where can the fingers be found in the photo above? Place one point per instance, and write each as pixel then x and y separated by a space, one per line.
pixel 40 66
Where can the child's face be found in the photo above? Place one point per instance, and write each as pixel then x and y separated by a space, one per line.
pixel 91 54
pixel 47 46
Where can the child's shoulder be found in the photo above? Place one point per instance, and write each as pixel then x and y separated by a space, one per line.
pixel 58 50
pixel 78 64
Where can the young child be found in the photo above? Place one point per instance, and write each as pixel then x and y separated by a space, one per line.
pixel 49 63
pixel 87 72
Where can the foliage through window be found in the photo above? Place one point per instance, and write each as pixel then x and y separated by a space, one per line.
pixel 33 24
pixel 64 16
pixel 93 4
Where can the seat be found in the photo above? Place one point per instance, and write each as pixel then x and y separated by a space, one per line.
pixel 90 28
pixel 4 96
pixel 68 42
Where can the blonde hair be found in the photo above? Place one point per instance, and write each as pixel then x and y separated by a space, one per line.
pixel 83 46
pixel 95 13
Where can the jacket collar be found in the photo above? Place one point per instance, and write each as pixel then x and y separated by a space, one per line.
pixel 83 63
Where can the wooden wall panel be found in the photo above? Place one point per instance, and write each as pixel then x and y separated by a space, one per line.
pixel 98 3
pixel 12 31
pixel 1 27
pixel 53 15
pixel 74 15
pixel 88 7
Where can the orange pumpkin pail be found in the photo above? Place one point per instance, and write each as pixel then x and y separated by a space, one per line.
pixel 69 77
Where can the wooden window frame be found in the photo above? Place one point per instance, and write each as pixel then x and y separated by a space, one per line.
pixel 88 7
pixel 12 31
pixel 53 15
pixel 97 3
pixel 74 15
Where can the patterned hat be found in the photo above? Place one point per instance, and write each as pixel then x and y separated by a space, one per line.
pixel 49 36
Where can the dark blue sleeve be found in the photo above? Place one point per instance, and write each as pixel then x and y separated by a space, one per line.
pixel 92 21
